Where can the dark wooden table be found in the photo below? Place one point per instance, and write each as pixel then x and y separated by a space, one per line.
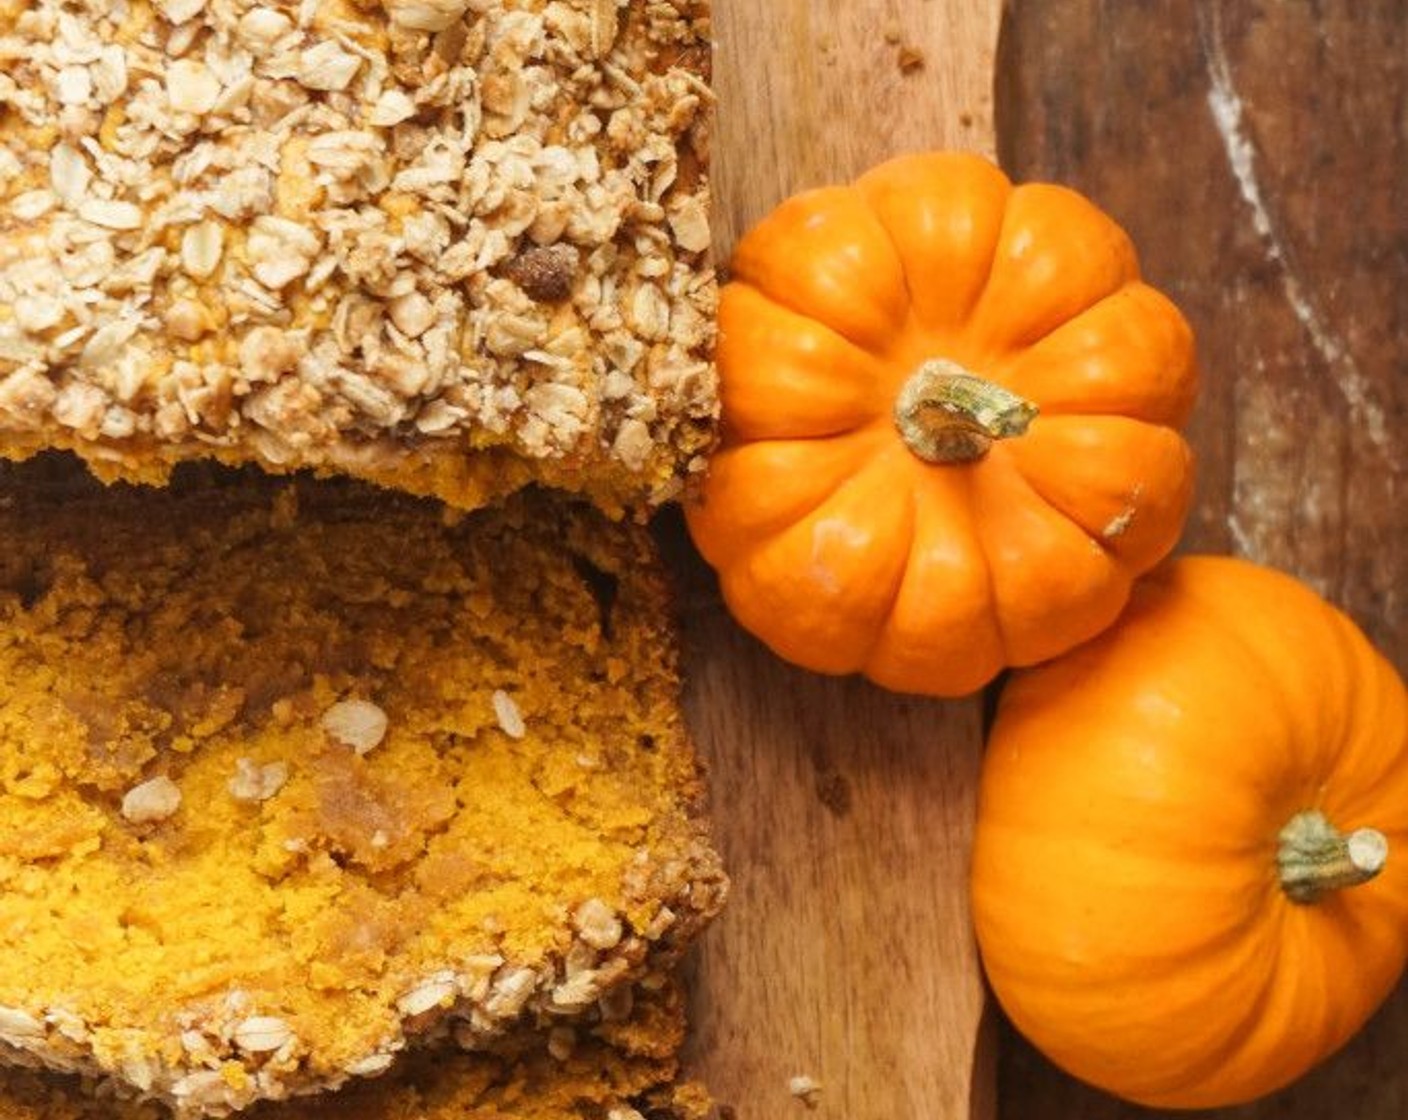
pixel 1258 154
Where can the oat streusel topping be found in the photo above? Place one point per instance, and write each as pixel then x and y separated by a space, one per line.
pixel 449 245
pixel 617 1064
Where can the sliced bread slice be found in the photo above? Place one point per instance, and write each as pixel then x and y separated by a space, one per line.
pixel 291 773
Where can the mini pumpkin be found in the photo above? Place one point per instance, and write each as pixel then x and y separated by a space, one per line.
pixel 950 426
pixel 1190 873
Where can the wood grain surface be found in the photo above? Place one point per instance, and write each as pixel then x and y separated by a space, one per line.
pixel 1258 155
pixel 844 812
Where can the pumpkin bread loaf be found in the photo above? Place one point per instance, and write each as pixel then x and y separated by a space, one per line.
pixel 452 246
pixel 292 774
pixel 624 1067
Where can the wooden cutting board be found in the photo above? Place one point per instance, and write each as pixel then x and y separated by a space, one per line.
pixel 844 812
pixel 1255 154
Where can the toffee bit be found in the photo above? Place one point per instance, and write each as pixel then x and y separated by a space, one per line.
pixel 546 273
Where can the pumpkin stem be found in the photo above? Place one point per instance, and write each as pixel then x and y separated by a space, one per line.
pixel 1315 858
pixel 947 415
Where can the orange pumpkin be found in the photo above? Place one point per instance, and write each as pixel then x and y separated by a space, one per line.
pixel 1190 875
pixel 950 412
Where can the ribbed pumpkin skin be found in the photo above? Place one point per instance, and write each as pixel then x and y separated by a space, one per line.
pixel 1125 885
pixel 842 549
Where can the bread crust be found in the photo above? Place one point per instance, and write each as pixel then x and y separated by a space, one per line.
pixel 624 1067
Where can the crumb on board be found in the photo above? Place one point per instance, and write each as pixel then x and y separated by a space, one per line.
pixel 806 1089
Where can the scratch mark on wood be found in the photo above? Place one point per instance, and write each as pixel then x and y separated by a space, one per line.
pixel 1242 543
pixel 1227 114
